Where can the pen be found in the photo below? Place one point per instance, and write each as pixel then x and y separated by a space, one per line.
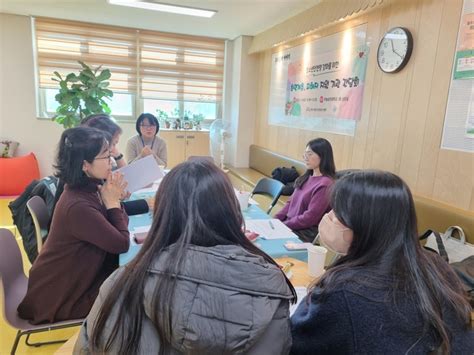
pixel 271 225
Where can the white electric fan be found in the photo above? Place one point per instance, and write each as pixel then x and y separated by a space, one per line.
pixel 218 133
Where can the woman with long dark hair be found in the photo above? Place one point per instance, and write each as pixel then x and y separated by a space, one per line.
pixel 310 200
pixel 386 294
pixel 88 231
pixel 197 285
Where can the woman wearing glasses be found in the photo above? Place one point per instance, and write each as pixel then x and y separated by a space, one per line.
pixel 146 142
pixel 88 231
pixel 310 200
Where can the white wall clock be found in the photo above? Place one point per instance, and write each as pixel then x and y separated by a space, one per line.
pixel 395 50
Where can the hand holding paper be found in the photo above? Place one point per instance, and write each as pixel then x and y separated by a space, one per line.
pixel 141 173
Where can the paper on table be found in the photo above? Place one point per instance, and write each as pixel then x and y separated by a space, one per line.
pixel 301 292
pixel 269 228
pixel 141 229
pixel 141 172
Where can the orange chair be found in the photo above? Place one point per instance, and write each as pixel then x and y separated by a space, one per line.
pixel 16 173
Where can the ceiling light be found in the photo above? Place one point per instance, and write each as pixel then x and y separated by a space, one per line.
pixel 150 5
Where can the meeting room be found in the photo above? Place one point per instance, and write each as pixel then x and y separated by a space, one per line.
pixel 236 177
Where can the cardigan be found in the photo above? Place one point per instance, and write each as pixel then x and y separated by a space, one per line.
pixel 307 204
pixel 361 319
pixel 135 146
pixel 79 254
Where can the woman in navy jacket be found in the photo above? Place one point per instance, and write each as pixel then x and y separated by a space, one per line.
pixel 387 294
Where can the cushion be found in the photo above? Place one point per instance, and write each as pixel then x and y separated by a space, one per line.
pixel 16 173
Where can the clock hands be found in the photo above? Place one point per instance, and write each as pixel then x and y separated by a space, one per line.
pixel 393 49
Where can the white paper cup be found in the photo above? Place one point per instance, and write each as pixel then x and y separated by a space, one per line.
pixel 316 259
pixel 243 198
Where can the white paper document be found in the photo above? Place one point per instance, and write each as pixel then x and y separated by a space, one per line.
pixel 301 293
pixel 142 229
pixel 141 173
pixel 269 228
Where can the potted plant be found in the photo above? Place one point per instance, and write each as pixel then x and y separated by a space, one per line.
pixel 163 118
pixel 187 123
pixel 197 119
pixel 82 95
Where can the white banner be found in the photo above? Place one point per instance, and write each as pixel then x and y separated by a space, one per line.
pixel 319 85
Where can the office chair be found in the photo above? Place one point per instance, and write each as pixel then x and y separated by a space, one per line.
pixel 40 214
pixel 14 284
pixel 268 187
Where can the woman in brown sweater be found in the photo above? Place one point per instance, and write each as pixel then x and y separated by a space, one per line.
pixel 88 231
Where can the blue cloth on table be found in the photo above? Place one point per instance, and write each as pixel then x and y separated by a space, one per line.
pixel 273 247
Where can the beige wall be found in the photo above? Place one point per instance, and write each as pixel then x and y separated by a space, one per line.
pixel 403 114
pixel 18 119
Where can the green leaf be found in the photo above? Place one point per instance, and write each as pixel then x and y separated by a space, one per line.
pixel 104 75
pixel 108 93
pixel 58 75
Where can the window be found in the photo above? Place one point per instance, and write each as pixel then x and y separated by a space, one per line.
pixel 150 70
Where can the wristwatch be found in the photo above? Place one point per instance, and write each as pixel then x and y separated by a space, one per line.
pixel 118 157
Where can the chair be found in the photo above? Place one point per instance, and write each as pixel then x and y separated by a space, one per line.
pixel 40 214
pixel 268 187
pixel 14 284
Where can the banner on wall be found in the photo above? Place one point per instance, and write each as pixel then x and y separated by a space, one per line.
pixel 458 130
pixel 464 61
pixel 319 85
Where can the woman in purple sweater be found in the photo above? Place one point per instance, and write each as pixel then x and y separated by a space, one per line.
pixel 310 201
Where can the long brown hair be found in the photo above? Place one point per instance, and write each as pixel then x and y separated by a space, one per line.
pixel 195 204
pixel 379 208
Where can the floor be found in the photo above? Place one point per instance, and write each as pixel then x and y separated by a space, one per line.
pixel 7 333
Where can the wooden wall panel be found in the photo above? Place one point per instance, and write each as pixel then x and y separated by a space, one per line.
pixel 433 130
pixel 426 42
pixel 403 114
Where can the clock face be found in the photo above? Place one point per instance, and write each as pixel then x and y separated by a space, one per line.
pixel 395 50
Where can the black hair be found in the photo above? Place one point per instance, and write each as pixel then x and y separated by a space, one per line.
pixel 77 145
pixel 103 122
pixel 323 149
pixel 152 119
pixel 183 217
pixel 379 208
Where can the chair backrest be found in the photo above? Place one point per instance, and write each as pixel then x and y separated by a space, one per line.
pixel 268 187
pixel 13 279
pixel 40 215
pixel 201 157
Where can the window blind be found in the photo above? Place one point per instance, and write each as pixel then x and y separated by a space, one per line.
pixel 149 64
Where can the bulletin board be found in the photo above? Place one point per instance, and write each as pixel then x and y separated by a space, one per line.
pixel 458 131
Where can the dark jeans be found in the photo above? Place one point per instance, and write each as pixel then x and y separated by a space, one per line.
pixel 307 235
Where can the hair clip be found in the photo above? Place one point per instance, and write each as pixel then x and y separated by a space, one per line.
pixel 67 143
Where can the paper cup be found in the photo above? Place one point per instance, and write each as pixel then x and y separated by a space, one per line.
pixel 316 259
pixel 243 198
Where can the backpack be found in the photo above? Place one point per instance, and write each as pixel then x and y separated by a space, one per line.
pixel 287 176
pixel 46 189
